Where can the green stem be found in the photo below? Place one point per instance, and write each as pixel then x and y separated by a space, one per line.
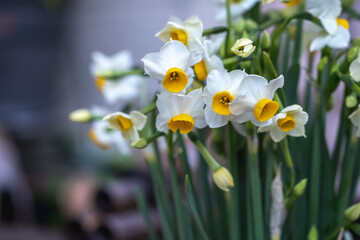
pixel 214 30
pixel 349 82
pixel 115 75
pixel 235 59
pixel 289 163
pixel 229 27
pixel 148 109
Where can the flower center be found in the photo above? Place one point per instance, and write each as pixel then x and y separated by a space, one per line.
pixel 291 2
pixel 100 83
pixel 200 70
pixel 265 109
pixel 124 123
pixel 220 102
pixel 175 80
pixel 287 123
pixel 183 122
pixel 343 22
pixel 95 140
pixel 179 35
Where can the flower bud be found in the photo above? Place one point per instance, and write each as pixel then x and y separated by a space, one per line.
pixel 352 53
pixel 351 100
pixel 352 214
pixel 223 179
pixel 239 26
pixel 313 234
pixel 251 25
pixel 265 41
pixel 243 47
pixel 300 187
pixel 82 115
pixel 140 143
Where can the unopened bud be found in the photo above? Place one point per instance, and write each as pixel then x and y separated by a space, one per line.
pixel 351 100
pixel 140 143
pixel 240 25
pixel 82 115
pixel 243 47
pixel 223 179
pixel 313 234
pixel 265 41
pixel 352 214
pixel 352 53
pixel 300 187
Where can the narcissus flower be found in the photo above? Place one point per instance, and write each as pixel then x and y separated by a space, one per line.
pixel 180 112
pixel 336 34
pixel 243 47
pixel 210 61
pixel 123 89
pixel 223 179
pixel 188 32
pixel 128 124
pixel 254 102
pixel 172 66
pixel 290 121
pixel 82 115
pixel 237 8
pixel 355 69
pixel 221 89
pixel 355 119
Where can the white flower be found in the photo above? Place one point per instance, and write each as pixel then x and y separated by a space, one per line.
pixel 128 124
pixel 104 138
pixel 180 112
pixel 290 121
pixel 355 119
pixel 243 47
pixel 336 34
pixel 223 179
pixel 210 61
pixel 123 89
pixel 237 8
pixel 254 102
pixel 340 39
pixel 172 66
pixel 221 89
pixel 355 69
pixel 188 32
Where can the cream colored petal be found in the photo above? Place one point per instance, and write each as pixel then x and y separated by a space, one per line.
pixel 355 70
pixel 277 134
pixel 138 120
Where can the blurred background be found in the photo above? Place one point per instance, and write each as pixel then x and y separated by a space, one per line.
pixel 54 183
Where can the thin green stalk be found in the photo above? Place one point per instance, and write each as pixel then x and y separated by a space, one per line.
pixel 184 234
pixel 116 75
pixel 229 26
pixel 289 164
pixel 350 83
pixel 148 109
pixel 234 192
pixel 141 202
pixel 255 189
pixel 214 30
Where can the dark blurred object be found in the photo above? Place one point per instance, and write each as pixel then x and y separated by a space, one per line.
pixel 7 211
pixel 119 195
pixel 30 35
pixel 22 232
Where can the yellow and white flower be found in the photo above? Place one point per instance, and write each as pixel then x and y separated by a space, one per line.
pixel 188 32
pixel 254 103
pixel 123 89
pixel 355 119
pixel 210 61
pixel 355 69
pixel 172 66
pixel 237 8
pixel 336 34
pixel 223 179
pixel 180 112
pixel 128 124
pixel 290 121
pixel 221 89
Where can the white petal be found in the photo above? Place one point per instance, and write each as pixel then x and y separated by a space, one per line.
pixel 340 39
pixel 273 86
pixel 218 81
pixel 172 24
pixel 213 119
pixel 214 63
pixel 319 42
pixel 242 104
pixel 130 135
pixel 292 108
pixel 258 123
pixel 277 134
pixel 355 70
pixel 330 25
pixel 161 123
pixel 298 131
pixel 154 66
pixel 124 89
pixel 355 117
pixel 112 119
pixel 175 54
pixel 237 76
pixel 138 120
pixel 300 117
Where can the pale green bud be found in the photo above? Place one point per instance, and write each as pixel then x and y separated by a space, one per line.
pixel 140 143
pixel 223 179
pixel 240 25
pixel 265 41
pixel 313 234
pixel 251 25
pixel 82 115
pixel 300 187
pixel 352 53
pixel 351 101
pixel 352 214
